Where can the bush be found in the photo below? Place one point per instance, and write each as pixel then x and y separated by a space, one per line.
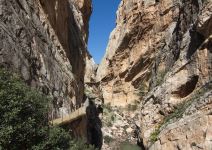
pixel 80 145
pixel 56 138
pixel 109 116
pixel 23 113
pixel 108 139
pixel 154 135
pixel 24 120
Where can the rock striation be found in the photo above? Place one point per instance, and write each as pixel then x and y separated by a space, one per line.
pixel 128 59
pixel 160 53
pixel 46 42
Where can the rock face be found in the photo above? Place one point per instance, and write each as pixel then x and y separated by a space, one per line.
pixel 128 57
pixel 90 69
pixel 119 127
pixel 46 42
pixel 162 50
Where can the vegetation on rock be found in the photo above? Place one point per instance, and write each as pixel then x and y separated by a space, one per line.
pixel 108 139
pixel 160 77
pixel 109 116
pixel 154 135
pixel 24 122
pixel 79 144
pixel 180 110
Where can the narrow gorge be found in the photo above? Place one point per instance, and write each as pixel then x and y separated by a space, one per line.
pixel 151 91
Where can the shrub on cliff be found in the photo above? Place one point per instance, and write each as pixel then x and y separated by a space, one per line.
pixel 24 120
pixel 24 117
pixel 56 138
pixel 80 145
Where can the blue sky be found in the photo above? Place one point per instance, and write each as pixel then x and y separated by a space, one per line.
pixel 102 22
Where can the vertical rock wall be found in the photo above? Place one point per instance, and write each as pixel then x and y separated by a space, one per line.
pixel 129 55
pixel 46 42
pixel 162 49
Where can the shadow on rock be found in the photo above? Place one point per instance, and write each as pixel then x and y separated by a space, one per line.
pixel 94 125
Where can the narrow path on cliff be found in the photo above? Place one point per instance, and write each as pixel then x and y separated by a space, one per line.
pixel 102 22
pixel 80 112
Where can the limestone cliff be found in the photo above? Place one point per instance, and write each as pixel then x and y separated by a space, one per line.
pixel 46 42
pixel 161 50
pixel 128 58
pixel 90 69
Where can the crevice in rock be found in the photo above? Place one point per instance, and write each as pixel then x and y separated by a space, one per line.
pixel 196 41
pixel 20 5
pixel 187 88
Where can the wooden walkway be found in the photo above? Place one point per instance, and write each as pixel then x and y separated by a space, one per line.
pixel 80 112
pixel 71 117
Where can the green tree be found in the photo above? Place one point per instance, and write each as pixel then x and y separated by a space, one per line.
pixel 24 120
pixel 57 139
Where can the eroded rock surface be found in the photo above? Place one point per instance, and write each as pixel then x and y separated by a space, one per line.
pixel 162 50
pixel 46 42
